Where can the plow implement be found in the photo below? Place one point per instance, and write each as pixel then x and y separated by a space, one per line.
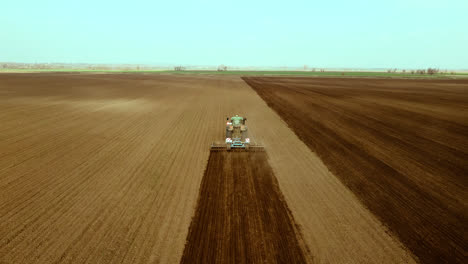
pixel 223 147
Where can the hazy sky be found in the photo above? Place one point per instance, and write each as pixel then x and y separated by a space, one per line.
pixel 397 33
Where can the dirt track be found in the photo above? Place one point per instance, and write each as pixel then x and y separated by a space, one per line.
pixel 241 215
pixel 107 168
pixel 400 145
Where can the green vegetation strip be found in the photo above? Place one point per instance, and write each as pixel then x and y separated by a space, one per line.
pixel 256 73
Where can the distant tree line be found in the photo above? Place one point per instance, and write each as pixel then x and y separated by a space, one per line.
pixel 306 68
pixel 222 67
pixel 430 71
pixel 73 66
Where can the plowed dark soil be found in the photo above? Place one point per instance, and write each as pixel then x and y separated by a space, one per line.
pixel 400 145
pixel 241 216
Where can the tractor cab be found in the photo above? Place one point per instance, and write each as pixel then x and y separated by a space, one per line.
pixel 237 120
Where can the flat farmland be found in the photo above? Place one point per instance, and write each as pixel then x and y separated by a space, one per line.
pixel 99 168
pixel 108 168
pixel 241 216
pixel 400 145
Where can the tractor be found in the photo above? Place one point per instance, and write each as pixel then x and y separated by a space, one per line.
pixel 236 136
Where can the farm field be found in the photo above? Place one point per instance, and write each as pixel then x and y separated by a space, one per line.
pixel 107 168
pixel 242 214
pixel 400 145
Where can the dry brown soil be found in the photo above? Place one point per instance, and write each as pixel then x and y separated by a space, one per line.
pixel 401 146
pixel 241 216
pixel 106 168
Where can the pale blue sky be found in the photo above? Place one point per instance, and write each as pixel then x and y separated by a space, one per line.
pixel 358 34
